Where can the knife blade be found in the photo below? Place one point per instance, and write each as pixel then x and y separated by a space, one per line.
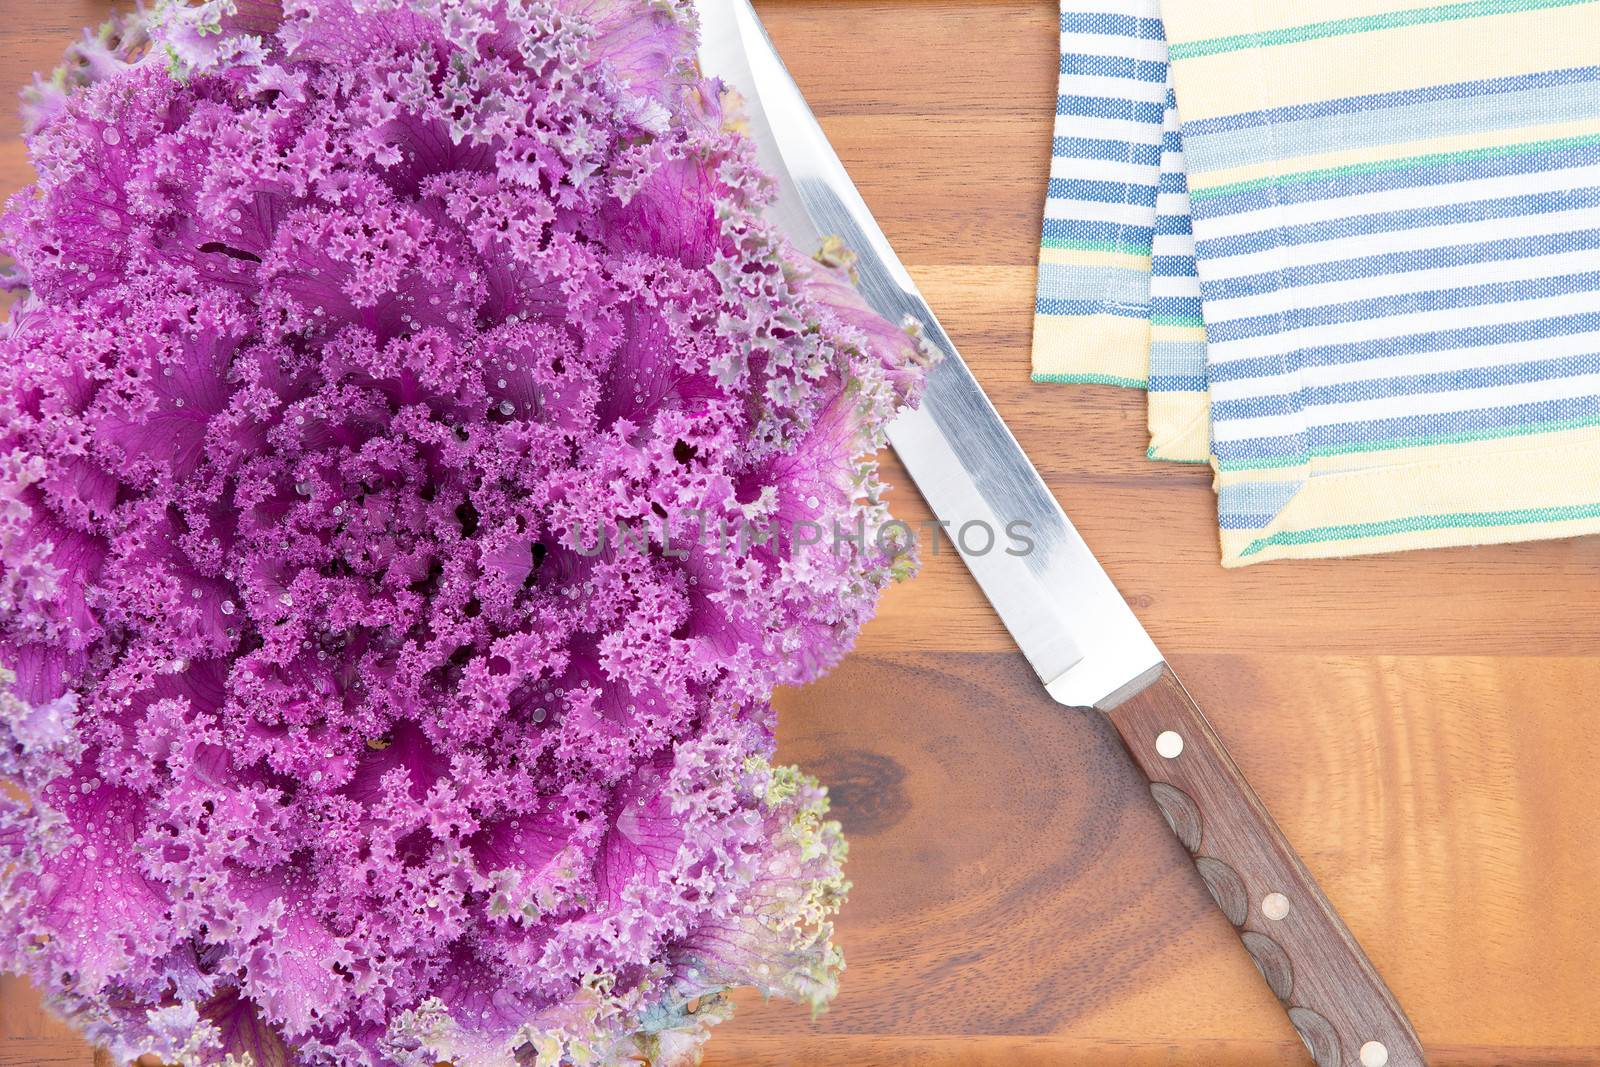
pixel 1056 601
pixel 1059 605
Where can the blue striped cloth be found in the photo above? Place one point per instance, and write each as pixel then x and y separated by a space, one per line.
pixel 1179 410
pixel 1360 277
pixel 1119 298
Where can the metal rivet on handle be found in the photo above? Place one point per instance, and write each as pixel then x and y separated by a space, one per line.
pixel 1169 744
pixel 1275 906
pixel 1373 1054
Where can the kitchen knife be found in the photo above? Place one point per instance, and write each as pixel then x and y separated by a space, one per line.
pixel 1059 605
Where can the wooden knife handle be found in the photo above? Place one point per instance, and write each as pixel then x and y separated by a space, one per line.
pixel 1335 998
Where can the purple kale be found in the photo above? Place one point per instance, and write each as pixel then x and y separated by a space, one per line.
pixel 339 734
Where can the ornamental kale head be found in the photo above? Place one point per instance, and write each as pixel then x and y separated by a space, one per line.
pixel 335 737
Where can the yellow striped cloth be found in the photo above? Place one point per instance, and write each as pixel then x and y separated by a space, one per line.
pixel 1352 248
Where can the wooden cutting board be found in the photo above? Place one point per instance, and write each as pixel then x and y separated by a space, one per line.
pixel 1420 724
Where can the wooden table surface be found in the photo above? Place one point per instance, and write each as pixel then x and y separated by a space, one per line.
pixel 1421 725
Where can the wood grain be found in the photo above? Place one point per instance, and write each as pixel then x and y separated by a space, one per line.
pixel 1418 724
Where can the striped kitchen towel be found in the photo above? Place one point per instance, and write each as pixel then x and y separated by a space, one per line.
pixel 1180 415
pixel 1099 228
pixel 1119 299
pixel 1374 259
